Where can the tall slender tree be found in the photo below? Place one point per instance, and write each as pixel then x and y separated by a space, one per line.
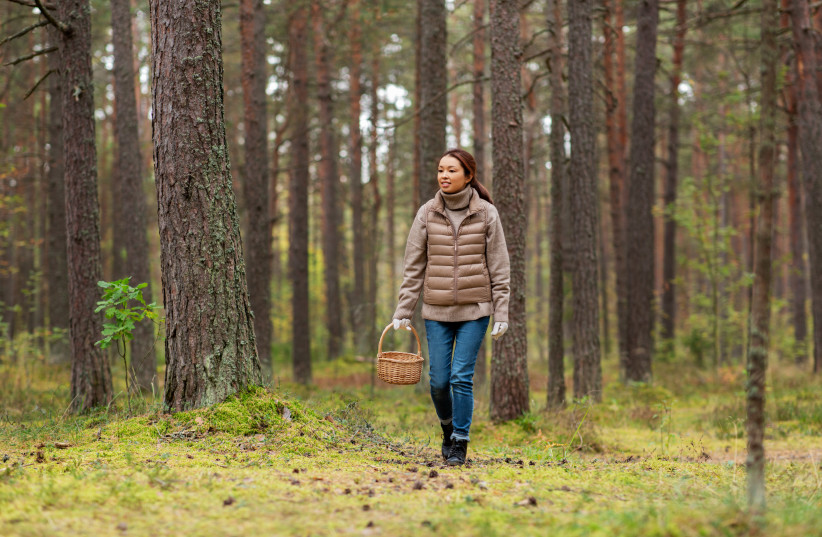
pixel 509 366
pixel 479 134
pixel 639 218
pixel 298 198
pixel 255 180
pixel 761 304
pixel 585 322
pixel 130 176
pixel 556 352
pixel 210 346
pixel 376 200
pixel 433 98
pixel 796 270
pixel 90 374
pixel 810 143
pixel 357 297
pixel 329 179
pixel 671 171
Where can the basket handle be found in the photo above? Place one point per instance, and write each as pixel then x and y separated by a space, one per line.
pixel 391 325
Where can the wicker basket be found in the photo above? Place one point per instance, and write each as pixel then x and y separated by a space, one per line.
pixel 396 367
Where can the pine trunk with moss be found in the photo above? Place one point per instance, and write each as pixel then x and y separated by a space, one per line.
pixel 210 346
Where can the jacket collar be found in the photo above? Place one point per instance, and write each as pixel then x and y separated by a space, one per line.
pixel 474 205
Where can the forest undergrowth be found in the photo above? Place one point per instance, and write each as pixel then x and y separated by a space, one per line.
pixel 664 460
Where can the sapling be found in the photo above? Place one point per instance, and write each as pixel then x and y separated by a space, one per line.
pixel 124 306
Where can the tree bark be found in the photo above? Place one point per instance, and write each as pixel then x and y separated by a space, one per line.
pixel 761 305
pixel 255 185
pixel 672 170
pixel 433 98
pixel 639 217
pixel 509 366
pixel 130 176
pixel 585 322
pixel 357 299
pixel 90 374
pixel 210 345
pixel 329 178
pixel 810 143
pixel 56 265
pixel 796 269
pixel 298 199
pixel 556 352
pixel 479 134
pixel 376 202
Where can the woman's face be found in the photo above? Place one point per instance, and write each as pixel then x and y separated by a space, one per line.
pixel 451 175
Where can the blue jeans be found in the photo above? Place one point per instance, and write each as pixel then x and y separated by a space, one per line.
pixel 452 350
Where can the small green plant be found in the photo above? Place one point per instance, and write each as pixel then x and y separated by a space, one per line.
pixel 124 306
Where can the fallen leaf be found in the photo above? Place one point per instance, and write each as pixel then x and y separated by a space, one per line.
pixel 41 457
pixel 228 501
pixel 366 507
pixel 433 473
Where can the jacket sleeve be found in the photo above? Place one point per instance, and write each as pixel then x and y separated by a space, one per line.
pixel 416 259
pixel 499 268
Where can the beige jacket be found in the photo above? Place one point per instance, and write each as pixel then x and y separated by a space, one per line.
pixel 458 259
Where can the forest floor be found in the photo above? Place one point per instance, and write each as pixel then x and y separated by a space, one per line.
pixel 332 459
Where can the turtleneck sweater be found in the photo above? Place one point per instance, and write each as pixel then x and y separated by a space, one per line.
pixel 456 206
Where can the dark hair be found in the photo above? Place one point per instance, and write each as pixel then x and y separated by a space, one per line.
pixel 469 166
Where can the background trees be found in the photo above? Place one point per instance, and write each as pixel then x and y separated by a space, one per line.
pixel 335 111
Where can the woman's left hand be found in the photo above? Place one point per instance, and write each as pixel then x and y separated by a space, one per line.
pixel 499 330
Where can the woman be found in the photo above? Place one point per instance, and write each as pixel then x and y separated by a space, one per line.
pixel 456 255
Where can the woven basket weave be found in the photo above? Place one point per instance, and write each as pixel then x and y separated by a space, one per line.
pixel 396 367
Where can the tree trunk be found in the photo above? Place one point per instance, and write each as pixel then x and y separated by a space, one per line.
pixel 669 248
pixel 210 345
pixel 130 176
pixel 329 177
pixel 796 269
pixel 479 134
pixel 509 366
pixel 639 217
pixel 90 374
pixel 585 323
pixel 433 85
pixel 298 199
pixel 556 353
pixel 255 185
pixel 810 142
pixel 56 266
pixel 357 299
pixel 761 306
pixel 376 202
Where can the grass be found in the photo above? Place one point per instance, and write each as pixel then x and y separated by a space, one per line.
pixel 665 460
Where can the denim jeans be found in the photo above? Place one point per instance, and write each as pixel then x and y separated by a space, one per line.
pixel 452 350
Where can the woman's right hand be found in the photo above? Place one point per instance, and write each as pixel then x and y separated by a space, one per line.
pixel 402 323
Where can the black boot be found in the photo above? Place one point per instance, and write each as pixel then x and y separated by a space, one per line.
pixel 446 439
pixel 459 451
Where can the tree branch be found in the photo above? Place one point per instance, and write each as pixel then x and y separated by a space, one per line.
pixel 34 88
pixel 30 56
pixel 57 24
pixel 434 98
pixel 23 32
